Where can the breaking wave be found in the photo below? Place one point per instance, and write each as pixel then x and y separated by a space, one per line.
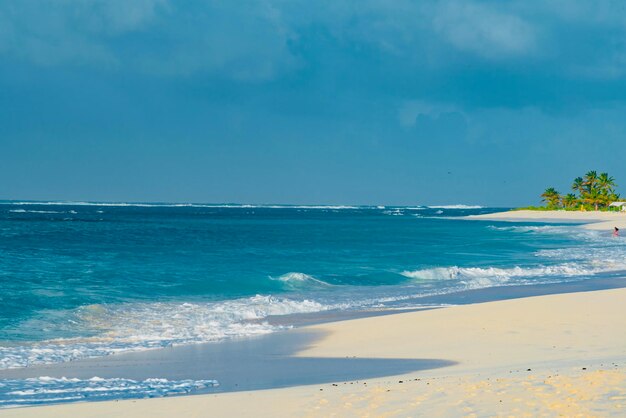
pixel 181 205
pixel 503 275
pixel 455 207
pixel 45 390
pixel 143 326
pixel 296 280
pixel 34 211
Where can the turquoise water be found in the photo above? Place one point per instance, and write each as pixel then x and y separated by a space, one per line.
pixel 85 280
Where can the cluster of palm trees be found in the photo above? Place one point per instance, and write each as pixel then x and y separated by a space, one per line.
pixel 592 190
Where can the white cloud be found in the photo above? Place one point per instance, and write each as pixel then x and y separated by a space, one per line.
pixel 245 41
pixel 253 40
pixel 49 32
pixel 484 30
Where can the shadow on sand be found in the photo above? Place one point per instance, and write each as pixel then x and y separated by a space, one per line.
pixel 253 363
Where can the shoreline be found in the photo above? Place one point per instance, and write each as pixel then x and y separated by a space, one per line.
pixel 511 350
pixel 233 362
pixel 377 355
pixel 598 221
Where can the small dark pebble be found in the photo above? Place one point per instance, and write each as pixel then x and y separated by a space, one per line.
pixel 321 389
pixel 400 381
pixel 528 370
pixel 584 368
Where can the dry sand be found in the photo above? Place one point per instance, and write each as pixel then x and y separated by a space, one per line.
pixel 556 355
pixel 592 220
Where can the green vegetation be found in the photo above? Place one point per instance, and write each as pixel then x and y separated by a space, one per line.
pixel 591 192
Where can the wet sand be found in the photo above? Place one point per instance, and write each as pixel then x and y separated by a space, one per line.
pixel 556 354
pixel 600 221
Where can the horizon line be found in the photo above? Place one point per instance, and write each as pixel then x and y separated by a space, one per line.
pixel 183 203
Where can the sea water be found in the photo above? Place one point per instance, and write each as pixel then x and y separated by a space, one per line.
pixel 83 280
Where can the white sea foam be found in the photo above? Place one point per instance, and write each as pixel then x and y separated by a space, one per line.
pixel 33 211
pixel 394 212
pixel 297 280
pixel 40 390
pixel 78 203
pixel 182 205
pixel 567 231
pixel 142 326
pixel 455 207
pixel 503 275
pixel 540 229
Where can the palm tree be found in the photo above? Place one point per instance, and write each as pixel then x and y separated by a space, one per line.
pixel 606 184
pixel 595 197
pixel 592 189
pixel 591 192
pixel 570 200
pixel 551 197
pixel 591 180
pixel 579 185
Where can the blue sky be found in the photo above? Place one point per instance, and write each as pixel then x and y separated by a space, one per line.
pixel 359 102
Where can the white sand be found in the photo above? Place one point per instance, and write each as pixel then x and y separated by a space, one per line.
pixel 592 220
pixel 494 344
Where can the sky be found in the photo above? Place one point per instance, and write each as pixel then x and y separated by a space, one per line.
pixel 309 102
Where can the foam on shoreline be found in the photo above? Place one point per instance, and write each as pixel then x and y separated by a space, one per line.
pixel 546 355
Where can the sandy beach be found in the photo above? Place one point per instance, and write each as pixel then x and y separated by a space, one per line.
pixel 312 209
pixel 592 220
pixel 538 356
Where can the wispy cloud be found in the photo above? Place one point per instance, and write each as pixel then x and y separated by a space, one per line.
pixel 484 30
pixel 240 41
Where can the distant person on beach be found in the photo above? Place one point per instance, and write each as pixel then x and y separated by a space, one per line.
pixel 616 232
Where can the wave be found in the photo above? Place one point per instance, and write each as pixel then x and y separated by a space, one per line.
pixel 40 390
pixel 143 326
pixel 394 212
pixel 503 275
pixel 568 231
pixel 296 280
pixel 34 211
pixel 182 205
pixel 455 207
pixel 232 205
pixel 550 229
pixel 79 203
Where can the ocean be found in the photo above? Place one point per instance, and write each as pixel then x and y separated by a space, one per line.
pixel 83 280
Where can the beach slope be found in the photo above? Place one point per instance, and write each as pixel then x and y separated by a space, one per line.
pixel 558 354
pixel 591 220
